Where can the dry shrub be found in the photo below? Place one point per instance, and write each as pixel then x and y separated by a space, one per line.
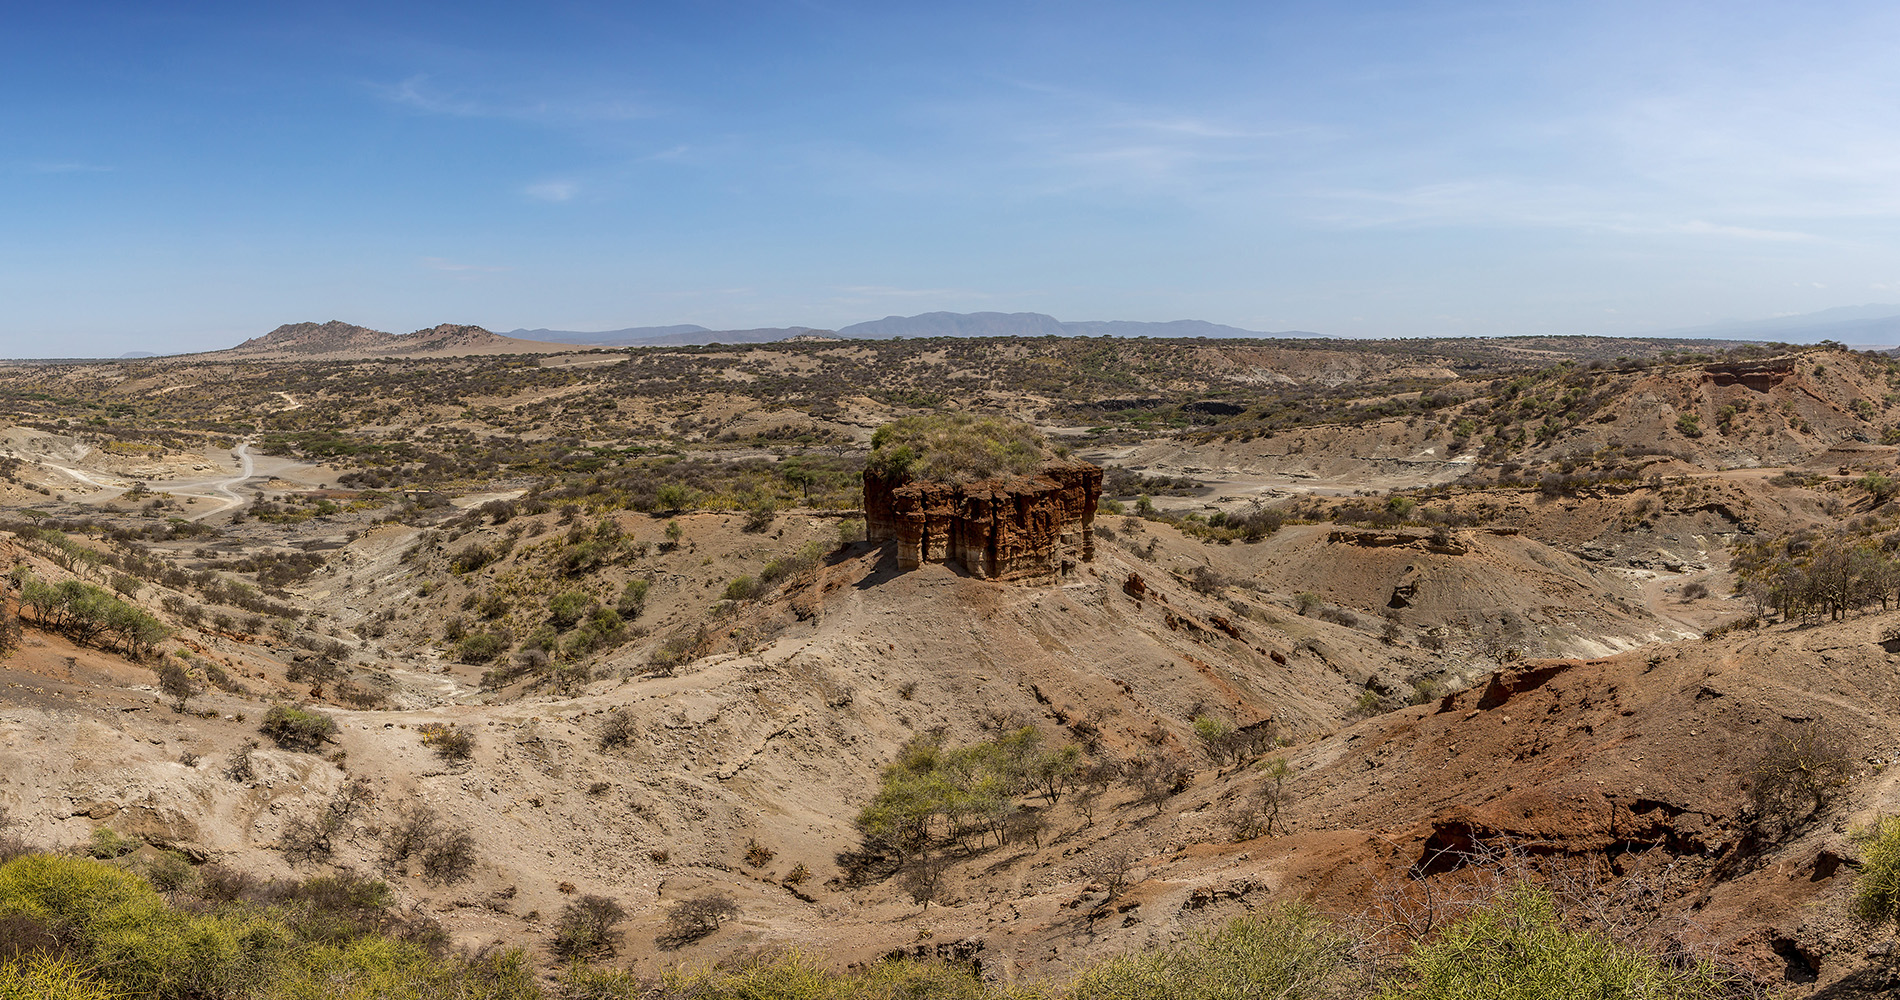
pixel 445 853
pixel 586 928
pixel 617 730
pixel 451 743
pixel 692 919
pixel 11 845
pixel 1802 766
pixel 450 857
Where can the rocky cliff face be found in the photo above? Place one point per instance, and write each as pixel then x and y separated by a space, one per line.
pixel 1016 528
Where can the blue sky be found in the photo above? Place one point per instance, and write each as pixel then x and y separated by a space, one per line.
pixel 183 176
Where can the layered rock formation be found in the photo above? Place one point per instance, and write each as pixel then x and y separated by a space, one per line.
pixel 1008 528
pixel 1760 376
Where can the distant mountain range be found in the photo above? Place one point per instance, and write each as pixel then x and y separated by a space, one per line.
pixel 935 324
pixel 662 336
pixel 1852 325
pixel 1855 326
pixel 995 324
pixel 1868 325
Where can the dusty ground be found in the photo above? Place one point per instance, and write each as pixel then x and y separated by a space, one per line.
pixel 1615 749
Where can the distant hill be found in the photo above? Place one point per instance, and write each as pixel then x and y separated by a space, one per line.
pixel 318 338
pixel 337 339
pixel 663 336
pixel 995 324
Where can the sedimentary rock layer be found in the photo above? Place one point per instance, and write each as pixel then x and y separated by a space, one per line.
pixel 1015 528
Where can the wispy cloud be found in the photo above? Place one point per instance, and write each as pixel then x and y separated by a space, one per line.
pixel 1698 227
pixel 1516 202
pixel 1032 139
pixel 442 264
pixel 553 191
pixel 1767 145
pixel 421 94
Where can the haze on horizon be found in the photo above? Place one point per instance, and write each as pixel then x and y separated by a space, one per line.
pixel 187 177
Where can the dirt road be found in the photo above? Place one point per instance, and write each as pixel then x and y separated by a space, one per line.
pixel 225 488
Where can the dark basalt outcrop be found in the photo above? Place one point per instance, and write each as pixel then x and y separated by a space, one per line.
pixel 1036 525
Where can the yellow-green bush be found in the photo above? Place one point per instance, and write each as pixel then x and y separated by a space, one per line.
pixel 1518 949
pixel 382 968
pixel 43 977
pixel 124 940
pixel 792 976
pixel 70 894
pixel 1289 953
pixel 120 922
pixel 1877 888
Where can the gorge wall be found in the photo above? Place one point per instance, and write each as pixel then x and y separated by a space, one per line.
pixel 1015 528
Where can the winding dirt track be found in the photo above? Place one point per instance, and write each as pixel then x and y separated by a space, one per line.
pixel 222 490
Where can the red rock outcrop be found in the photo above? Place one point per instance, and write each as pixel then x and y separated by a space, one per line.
pixel 1014 528
pixel 1760 376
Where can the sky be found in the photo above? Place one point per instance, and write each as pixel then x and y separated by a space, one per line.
pixel 183 176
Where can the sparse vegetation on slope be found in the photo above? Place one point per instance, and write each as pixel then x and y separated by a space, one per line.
pixel 329 936
pixel 602 632
pixel 109 932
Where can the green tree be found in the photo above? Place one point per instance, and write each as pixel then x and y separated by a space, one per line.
pixel 674 497
pixel 175 682
pixel 1054 771
pixel 633 598
pixel 568 607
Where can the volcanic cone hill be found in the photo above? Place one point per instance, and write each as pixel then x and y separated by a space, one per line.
pixel 336 340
